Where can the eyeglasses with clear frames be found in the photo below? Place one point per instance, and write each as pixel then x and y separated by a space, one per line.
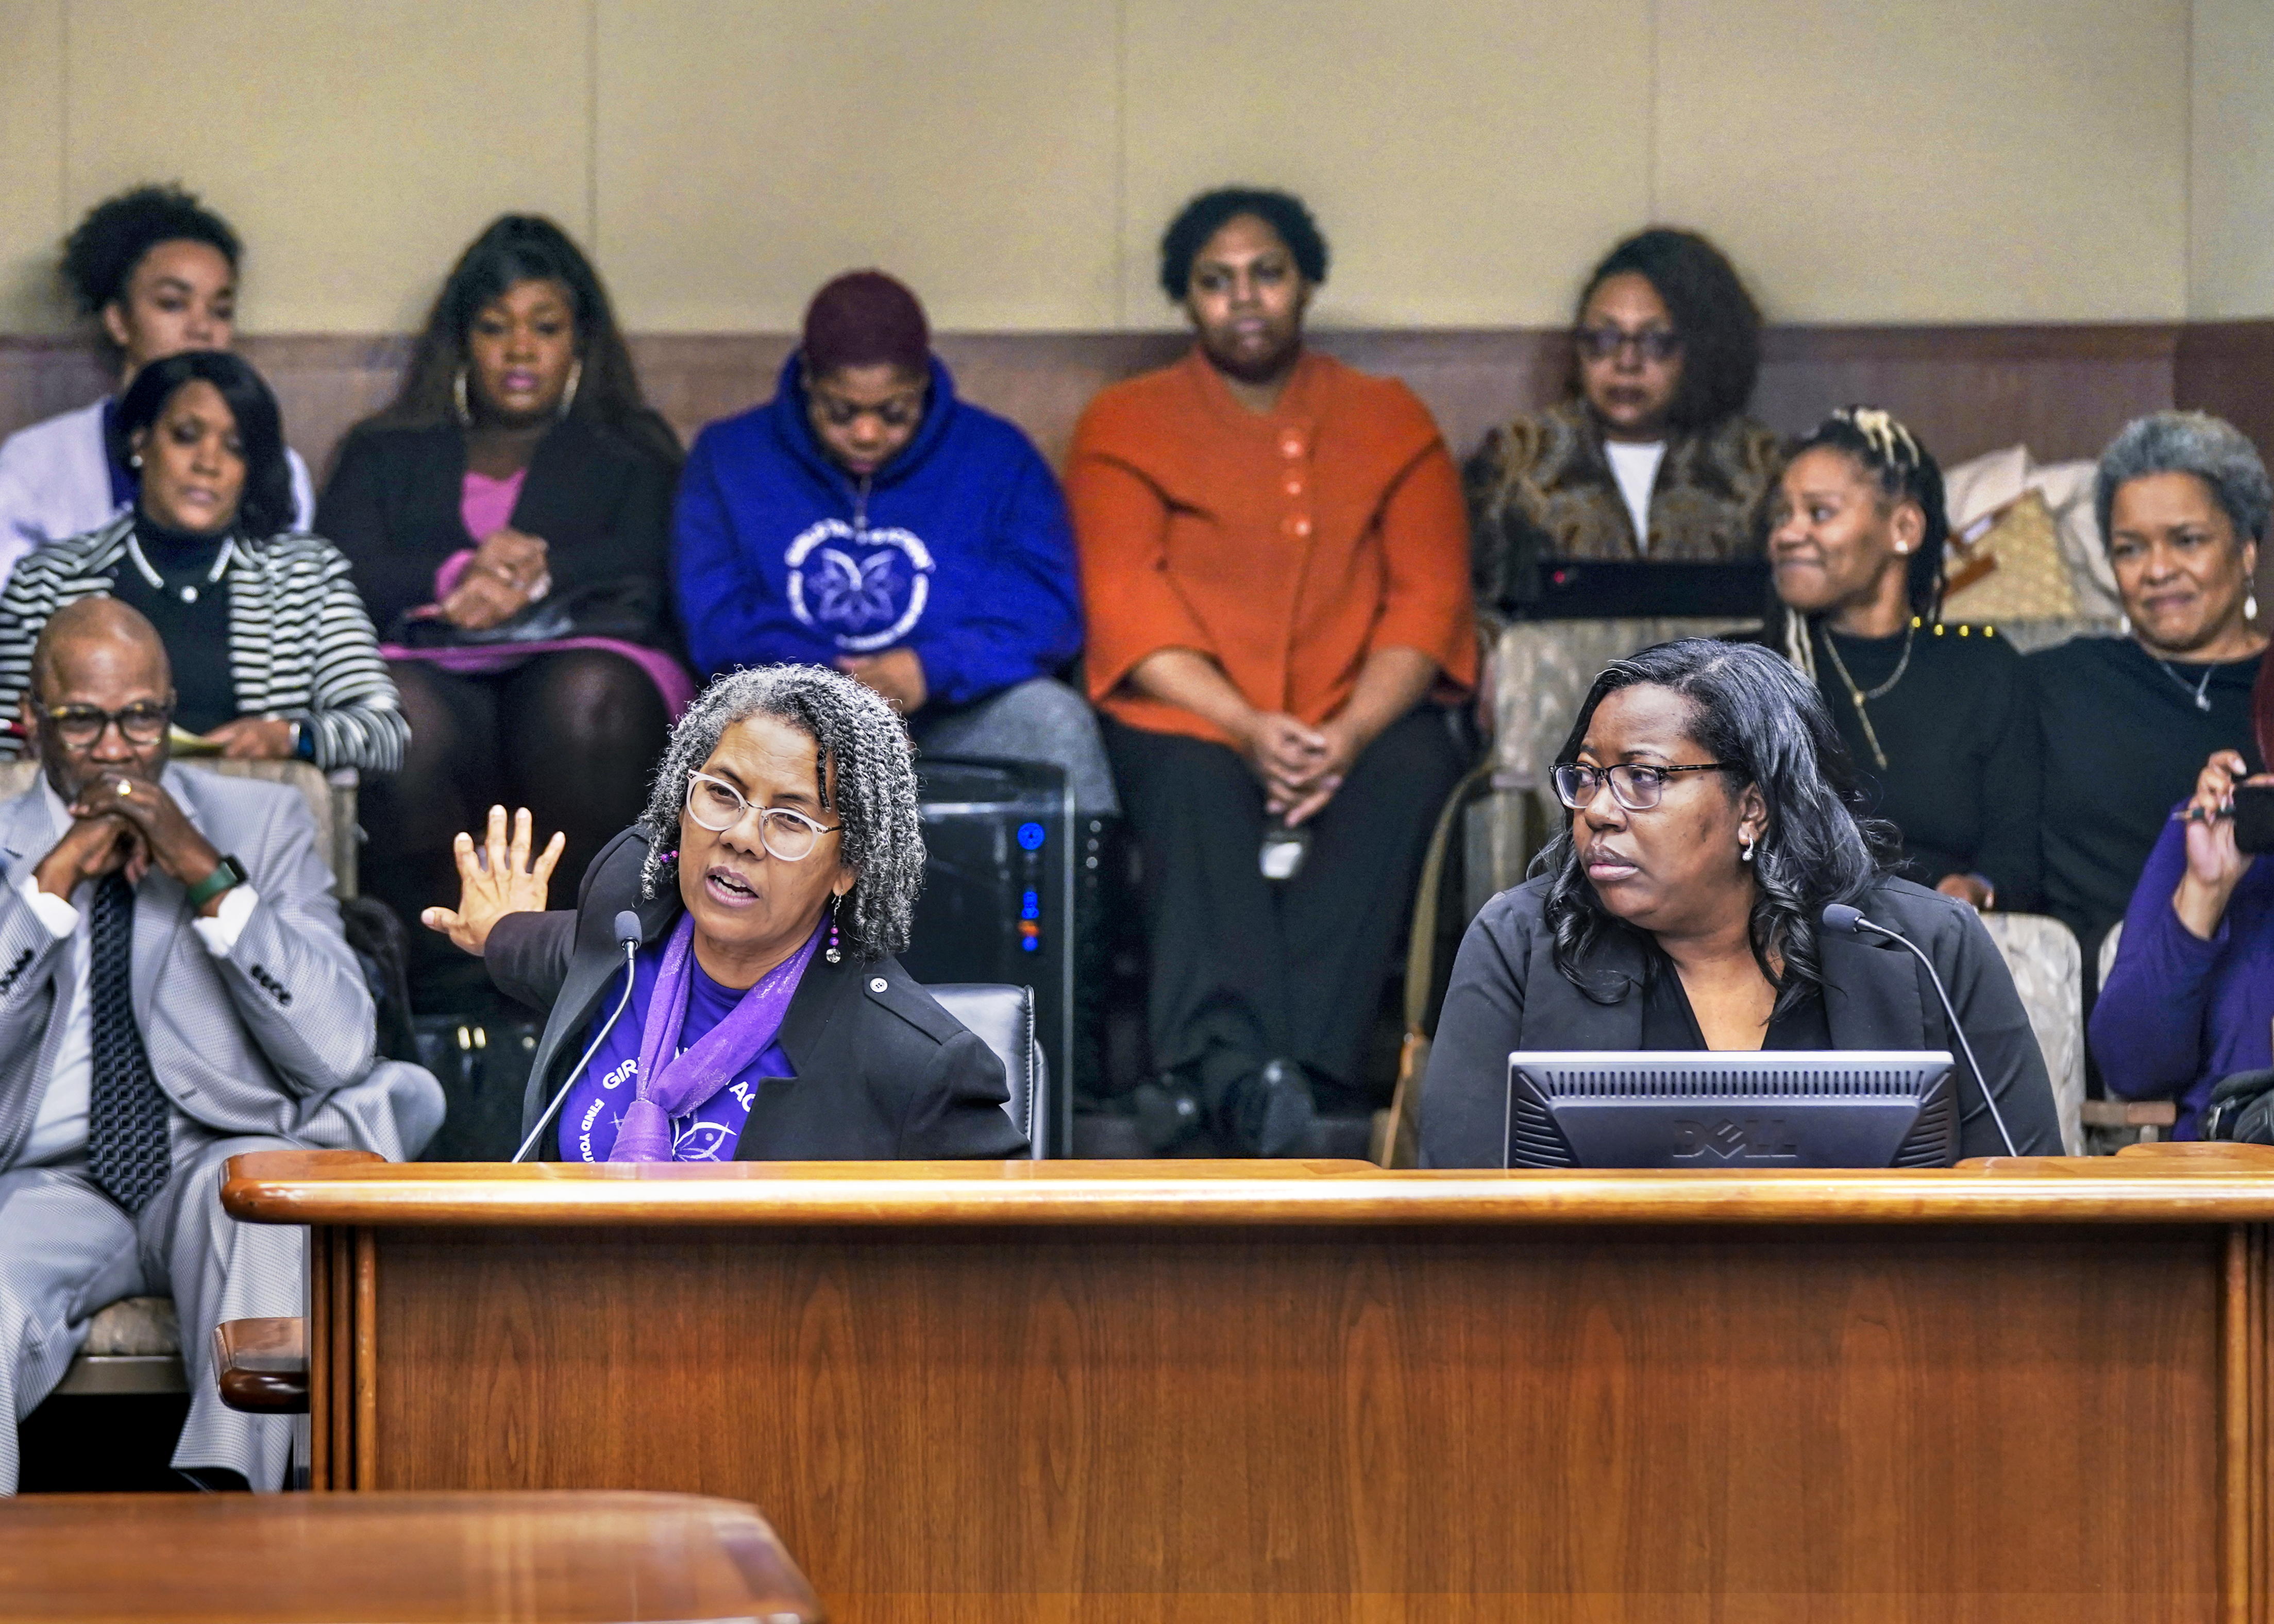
pixel 1634 785
pixel 718 806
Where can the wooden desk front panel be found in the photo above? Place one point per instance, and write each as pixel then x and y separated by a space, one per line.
pixel 1930 1422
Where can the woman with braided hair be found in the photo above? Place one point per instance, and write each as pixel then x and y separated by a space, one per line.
pixel 1940 719
pixel 773 875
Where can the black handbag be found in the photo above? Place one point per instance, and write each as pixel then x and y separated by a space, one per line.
pixel 2241 1108
pixel 630 609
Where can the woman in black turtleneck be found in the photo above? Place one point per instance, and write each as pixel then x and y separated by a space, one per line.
pixel 1940 719
pixel 273 655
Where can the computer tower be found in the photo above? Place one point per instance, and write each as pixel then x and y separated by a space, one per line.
pixel 997 900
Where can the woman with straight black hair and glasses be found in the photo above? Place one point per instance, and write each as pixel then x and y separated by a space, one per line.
pixel 273 656
pixel 1713 817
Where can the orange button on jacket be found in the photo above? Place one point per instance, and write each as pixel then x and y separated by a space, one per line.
pixel 1286 547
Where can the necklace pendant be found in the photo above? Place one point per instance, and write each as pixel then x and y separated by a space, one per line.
pixel 188 594
pixel 2203 701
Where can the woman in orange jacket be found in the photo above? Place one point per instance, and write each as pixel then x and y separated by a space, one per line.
pixel 1274 570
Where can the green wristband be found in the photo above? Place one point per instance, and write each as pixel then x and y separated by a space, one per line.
pixel 227 872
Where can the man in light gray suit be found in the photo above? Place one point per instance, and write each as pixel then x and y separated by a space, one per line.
pixel 174 989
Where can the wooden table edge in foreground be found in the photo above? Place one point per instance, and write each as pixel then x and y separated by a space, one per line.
pixel 2219 1184
pixel 576 1556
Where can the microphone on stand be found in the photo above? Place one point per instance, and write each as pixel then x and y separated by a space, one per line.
pixel 1851 921
pixel 627 937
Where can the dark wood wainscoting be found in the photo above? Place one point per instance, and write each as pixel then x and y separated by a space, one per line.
pixel 2061 390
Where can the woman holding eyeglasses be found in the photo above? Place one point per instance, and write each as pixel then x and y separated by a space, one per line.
pixel 1712 815
pixel 1651 456
pixel 773 874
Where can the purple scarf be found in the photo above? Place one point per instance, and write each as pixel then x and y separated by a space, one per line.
pixel 671 1084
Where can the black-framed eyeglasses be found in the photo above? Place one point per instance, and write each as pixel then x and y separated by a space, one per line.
pixel 1659 345
pixel 1634 785
pixel 81 726
pixel 718 806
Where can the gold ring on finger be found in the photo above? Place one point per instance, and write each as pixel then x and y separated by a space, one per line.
pixel 126 789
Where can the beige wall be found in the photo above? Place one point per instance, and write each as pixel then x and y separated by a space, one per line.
pixel 2232 246
pixel 1934 160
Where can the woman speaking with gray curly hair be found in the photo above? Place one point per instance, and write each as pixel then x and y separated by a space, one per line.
pixel 1713 814
pixel 771 877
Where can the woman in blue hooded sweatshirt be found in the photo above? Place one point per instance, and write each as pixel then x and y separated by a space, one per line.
pixel 865 518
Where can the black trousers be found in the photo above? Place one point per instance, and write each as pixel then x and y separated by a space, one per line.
pixel 1246 969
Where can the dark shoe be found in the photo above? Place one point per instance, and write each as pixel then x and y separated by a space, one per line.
pixel 1167 1112
pixel 1271 1114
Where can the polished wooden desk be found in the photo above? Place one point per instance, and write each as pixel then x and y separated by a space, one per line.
pixel 1264 1392
pixel 391 1559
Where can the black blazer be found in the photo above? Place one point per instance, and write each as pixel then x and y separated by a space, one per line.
pixel 601 505
pixel 884 1074
pixel 1506 995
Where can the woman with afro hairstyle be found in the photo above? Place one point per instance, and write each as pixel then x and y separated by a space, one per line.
pixel 156 270
pixel 1274 565
pixel 1651 456
pixel 773 875
pixel 1941 720
pixel 509 519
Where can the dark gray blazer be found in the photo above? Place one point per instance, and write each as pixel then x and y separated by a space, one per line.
pixel 1506 995
pixel 884 1074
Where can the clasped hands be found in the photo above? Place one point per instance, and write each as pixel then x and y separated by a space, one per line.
pixel 1300 766
pixel 121 822
pixel 509 572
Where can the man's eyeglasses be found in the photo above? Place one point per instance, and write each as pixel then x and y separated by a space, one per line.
pixel 718 806
pixel 1633 786
pixel 1659 345
pixel 81 726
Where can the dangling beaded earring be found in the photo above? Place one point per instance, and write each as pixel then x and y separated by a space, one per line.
pixel 830 953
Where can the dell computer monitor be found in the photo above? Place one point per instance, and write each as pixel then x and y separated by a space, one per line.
pixel 1781 1108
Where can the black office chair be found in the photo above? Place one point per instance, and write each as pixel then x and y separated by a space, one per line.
pixel 1003 1018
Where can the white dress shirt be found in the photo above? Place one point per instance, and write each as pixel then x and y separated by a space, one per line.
pixel 59 1129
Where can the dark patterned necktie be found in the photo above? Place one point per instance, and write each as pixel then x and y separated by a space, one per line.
pixel 128 1148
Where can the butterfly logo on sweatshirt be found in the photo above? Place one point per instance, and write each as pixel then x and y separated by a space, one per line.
pixel 866 589
pixel 851 592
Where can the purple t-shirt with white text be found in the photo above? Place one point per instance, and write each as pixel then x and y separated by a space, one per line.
pixel 595 1108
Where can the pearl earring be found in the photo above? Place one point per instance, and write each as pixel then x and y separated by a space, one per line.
pixel 2250 607
pixel 135 461
pixel 1744 849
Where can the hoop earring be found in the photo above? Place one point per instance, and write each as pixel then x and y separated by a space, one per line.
pixel 831 952
pixel 576 377
pixel 458 396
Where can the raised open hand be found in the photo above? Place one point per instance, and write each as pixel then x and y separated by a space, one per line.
pixel 497 880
